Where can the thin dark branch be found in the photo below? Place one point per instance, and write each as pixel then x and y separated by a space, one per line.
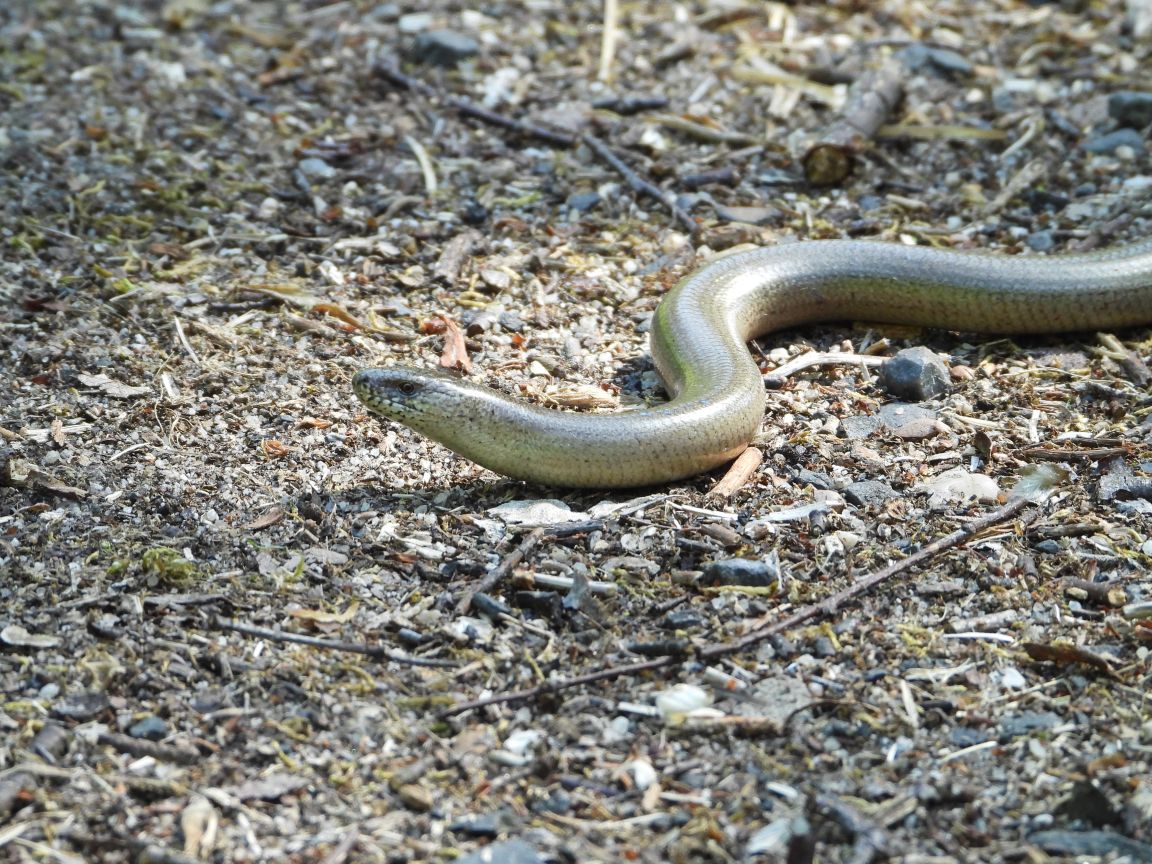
pixel 639 185
pixel 560 139
pixel 560 684
pixel 498 573
pixel 867 583
pixel 375 651
pixel 709 653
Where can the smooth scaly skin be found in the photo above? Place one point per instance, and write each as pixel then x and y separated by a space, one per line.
pixel 698 343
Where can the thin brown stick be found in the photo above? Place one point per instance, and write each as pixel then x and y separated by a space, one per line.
pixel 719 649
pixel 561 684
pixel 500 571
pixel 874 95
pixel 375 651
pixel 859 587
pixel 738 473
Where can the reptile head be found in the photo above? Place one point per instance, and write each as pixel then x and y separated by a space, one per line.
pixel 421 398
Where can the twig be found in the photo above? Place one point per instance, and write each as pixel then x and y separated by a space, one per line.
pixel 819 358
pixel 469 109
pixel 501 570
pixel 560 684
pixel 140 747
pixel 608 39
pixel 1131 362
pixel 639 185
pixel 738 473
pixel 874 95
pixel 374 651
pixel 861 586
pixel 560 139
pixel 719 649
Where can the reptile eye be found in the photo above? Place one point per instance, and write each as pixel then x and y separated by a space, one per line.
pixel 407 388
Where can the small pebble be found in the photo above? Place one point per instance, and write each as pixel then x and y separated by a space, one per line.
pixel 1041 241
pixel 582 202
pixel 504 852
pixel 866 493
pixel 1027 723
pixel 1131 108
pixel 916 374
pixel 151 728
pixel 313 167
pixel 1112 141
pixel 740 571
pixel 442 48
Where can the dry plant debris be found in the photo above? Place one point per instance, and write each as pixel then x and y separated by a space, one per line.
pixel 243 621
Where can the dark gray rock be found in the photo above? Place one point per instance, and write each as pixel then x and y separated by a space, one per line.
pixel 1095 843
pixel 916 374
pixel 1041 241
pixel 860 426
pixel 1027 723
pixel 479 825
pixel 81 706
pixel 740 571
pixel 442 47
pixel 1131 108
pixel 815 479
pixel 582 202
pixel 151 728
pixel 866 493
pixel 1110 142
pixel 966 736
pixel 1088 805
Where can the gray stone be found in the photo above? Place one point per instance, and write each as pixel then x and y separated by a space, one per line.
pixel 740 571
pixel 865 493
pixel 1112 141
pixel 443 47
pixel 916 374
pixel 582 202
pixel 1041 241
pixel 151 728
pixel 860 426
pixel 1131 108
pixel 897 414
pixel 1027 723
pixel 313 167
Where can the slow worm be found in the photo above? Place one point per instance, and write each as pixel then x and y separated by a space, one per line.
pixel 698 344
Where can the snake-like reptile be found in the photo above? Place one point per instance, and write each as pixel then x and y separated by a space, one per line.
pixel 717 395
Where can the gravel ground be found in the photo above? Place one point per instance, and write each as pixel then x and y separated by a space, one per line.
pixel 240 619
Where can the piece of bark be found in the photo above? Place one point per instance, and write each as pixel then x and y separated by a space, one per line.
pixel 831 156
pixel 456 252
pixel 738 474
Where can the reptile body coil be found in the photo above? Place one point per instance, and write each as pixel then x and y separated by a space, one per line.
pixel 717 394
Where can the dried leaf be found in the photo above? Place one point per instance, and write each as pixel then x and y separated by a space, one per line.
pixel 455 354
pixel 1065 654
pixel 274 449
pixel 115 389
pixel 269 517
pixel 340 314
pixel 322 620
pixel 199 823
